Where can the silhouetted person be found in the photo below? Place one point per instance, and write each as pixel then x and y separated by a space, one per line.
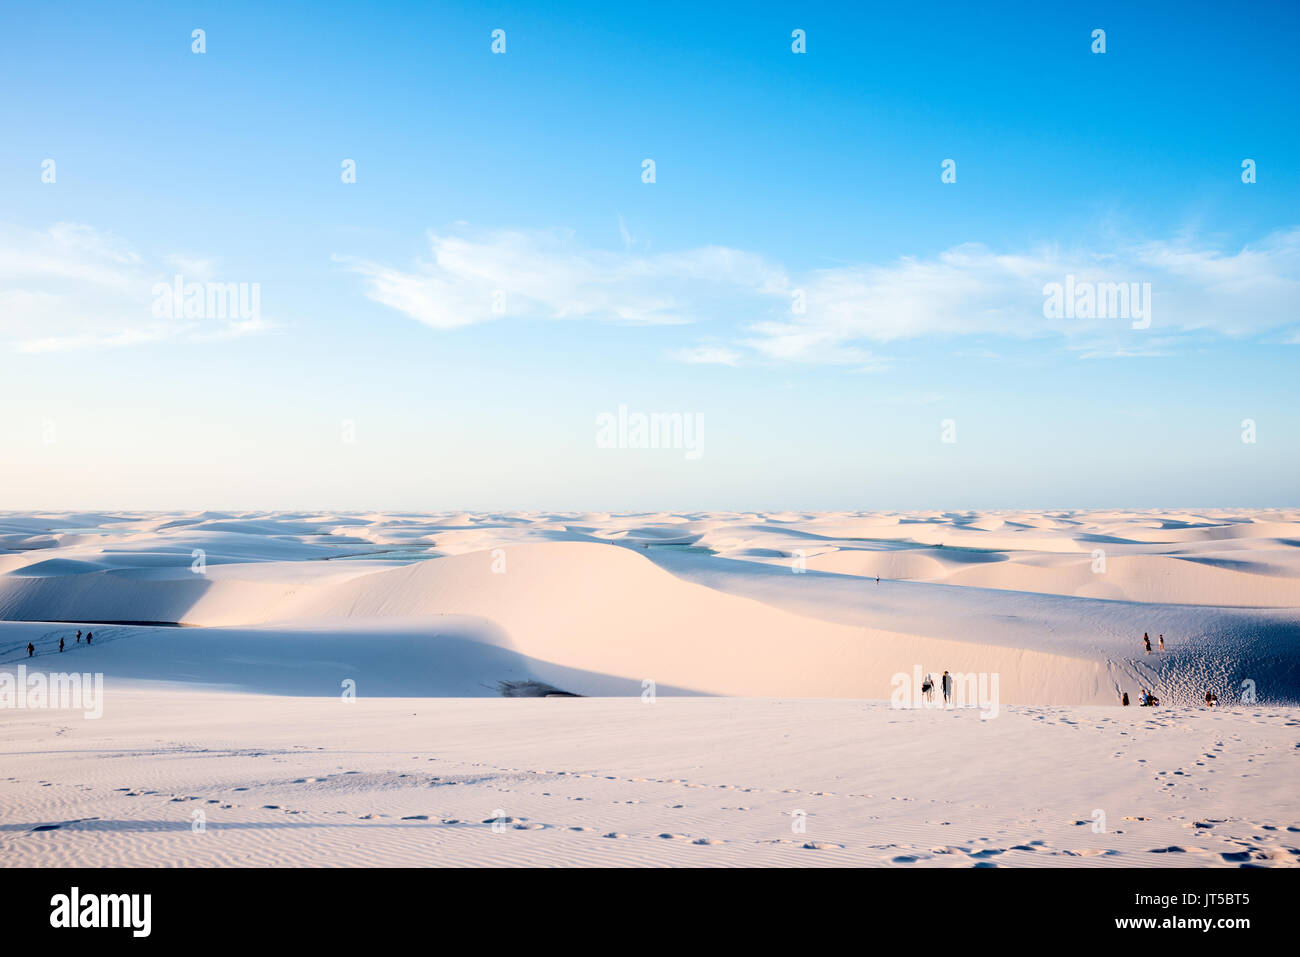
pixel 1146 640
pixel 91 634
pixel 1124 700
pixel 60 646
pixel 31 649
pixel 1162 642
pixel 78 636
pixel 947 687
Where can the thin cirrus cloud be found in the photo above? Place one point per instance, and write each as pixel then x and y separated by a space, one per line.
pixel 844 314
pixel 706 355
pixel 547 275
pixel 72 286
pixel 972 290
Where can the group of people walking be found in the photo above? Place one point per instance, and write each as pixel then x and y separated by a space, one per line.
pixel 928 686
pixel 1147 699
pixel 90 637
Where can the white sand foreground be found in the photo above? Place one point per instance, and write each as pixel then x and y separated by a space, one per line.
pixel 680 781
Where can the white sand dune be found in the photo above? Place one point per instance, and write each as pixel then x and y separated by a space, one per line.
pixel 778 605
pixel 737 671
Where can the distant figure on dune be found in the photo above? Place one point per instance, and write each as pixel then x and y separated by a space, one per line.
pixel 877 579
pixel 78 636
pixel 1162 642
pixel 1124 699
pixel 1146 640
pixel 1211 699
pixel 60 646
pixel 927 687
pixel 947 687
pixel 31 649
pixel 91 634
pixel 1149 700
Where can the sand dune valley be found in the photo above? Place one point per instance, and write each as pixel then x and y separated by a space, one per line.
pixel 653 689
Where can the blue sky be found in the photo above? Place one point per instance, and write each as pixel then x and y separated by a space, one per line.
pixel 776 174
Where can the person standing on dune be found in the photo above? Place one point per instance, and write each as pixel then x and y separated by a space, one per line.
pixel 91 634
pixel 60 646
pixel 31 649
pixel 1162 642
pixel 947 687
pixel 78 636
pixel 1146 640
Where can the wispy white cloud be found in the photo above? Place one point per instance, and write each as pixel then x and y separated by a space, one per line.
pixel 971 290
pixel 624 233
pixel 706 355
pixel 72 286
pixel 845 314
pixel 108 340
pixel 476 278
